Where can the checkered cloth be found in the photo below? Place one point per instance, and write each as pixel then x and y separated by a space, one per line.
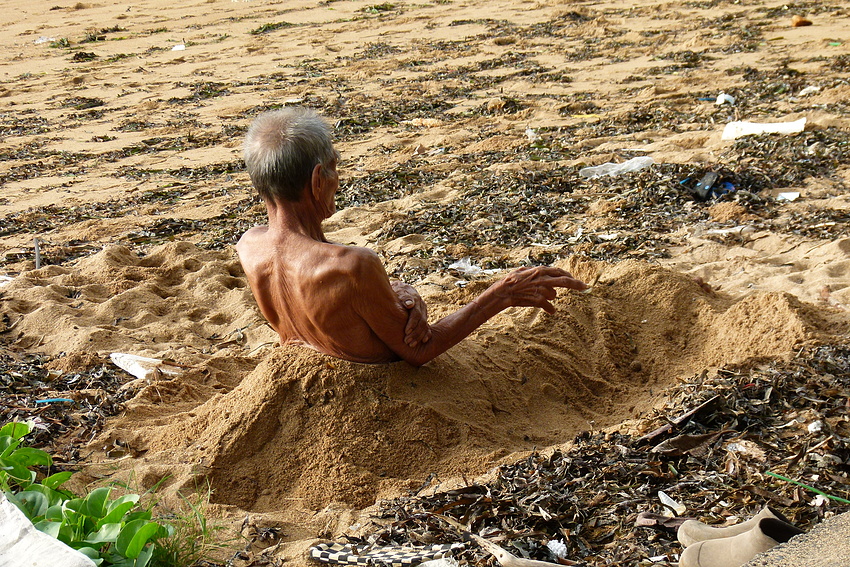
pixel 390 556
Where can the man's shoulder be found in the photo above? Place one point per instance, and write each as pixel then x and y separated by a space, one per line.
pixel 354 258
pixel 251 236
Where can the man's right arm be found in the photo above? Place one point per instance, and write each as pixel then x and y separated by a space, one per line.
pixel 377 305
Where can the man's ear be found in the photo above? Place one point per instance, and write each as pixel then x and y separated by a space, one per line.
pixel 317 182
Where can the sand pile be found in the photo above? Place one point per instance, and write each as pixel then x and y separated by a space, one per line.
pixel 305 427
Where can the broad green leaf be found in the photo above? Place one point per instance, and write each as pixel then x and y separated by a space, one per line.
pixel 30 457
pixel 167 530
pixel 52 496
pixel 54 512
pixel 117 513
pixel 138 515
pixel 144 557
pixel 33 503
pixel 54 481
pixel 48 527
pixel 95 506
pixel 16 429
pixel 106 534
pixel 18 472
pixel 122 500
pixel 13 498
pixel 66 534
pixel 7 445
pixel 74 504
pixel 73 519
pixel 134 536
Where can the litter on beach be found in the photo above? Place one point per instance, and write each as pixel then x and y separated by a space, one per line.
pixel 143 367
pixel 735 130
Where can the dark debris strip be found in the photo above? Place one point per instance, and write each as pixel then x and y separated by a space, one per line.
pixel 788 418
pixel 68 408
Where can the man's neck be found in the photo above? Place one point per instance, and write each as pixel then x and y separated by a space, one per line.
pixel 298 217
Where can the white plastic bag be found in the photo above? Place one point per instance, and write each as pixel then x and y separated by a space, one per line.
pixel 141 366
pixel 735 130
pixel 21 545
pixel 634 164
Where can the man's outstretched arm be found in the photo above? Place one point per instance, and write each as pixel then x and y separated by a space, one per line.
pixel 379 307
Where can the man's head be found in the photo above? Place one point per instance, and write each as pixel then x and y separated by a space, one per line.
pixel 283 147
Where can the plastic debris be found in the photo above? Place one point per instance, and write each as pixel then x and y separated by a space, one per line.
pixel 142 367
pixel 711 185
pixel 819 500
pixel 5 280
pixel 442 562
pixel 557 547
pixel 739 231
pixel 467 268
pixel 677 507
pixel 179 47
pixel 724 98
pixel 533 137
pixel 788 196
pixel 21 544
pixel 44 39
pixel 735 130
pixel 746 449
pixel 634 164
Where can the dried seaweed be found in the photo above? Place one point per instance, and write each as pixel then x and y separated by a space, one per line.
pixel 68 408
pixel 596 496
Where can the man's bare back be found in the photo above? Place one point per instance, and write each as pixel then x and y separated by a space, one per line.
pixel 305 288
pixel 338 299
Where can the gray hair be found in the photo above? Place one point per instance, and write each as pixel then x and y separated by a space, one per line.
pixel 281 149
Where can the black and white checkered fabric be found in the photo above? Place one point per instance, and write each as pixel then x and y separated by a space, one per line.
pixel 390 556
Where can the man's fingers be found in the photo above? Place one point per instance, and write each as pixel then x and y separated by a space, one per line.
pixel 568 282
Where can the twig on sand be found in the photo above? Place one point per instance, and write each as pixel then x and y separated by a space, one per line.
pixel 504 558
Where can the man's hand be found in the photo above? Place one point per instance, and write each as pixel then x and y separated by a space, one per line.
pixel 417 331
pixel 535 287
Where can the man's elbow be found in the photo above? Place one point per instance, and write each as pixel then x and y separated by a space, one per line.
pixel 418 359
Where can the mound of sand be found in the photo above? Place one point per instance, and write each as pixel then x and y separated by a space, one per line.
pixel 176 297
pixel 290 424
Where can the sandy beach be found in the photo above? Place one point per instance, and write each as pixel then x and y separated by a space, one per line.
pixel 463 127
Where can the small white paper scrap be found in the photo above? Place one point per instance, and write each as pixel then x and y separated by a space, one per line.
pixel 141 366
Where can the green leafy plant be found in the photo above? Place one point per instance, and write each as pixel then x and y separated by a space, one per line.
pixel 111 532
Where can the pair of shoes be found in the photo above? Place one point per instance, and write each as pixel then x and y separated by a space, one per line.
pixel 733 546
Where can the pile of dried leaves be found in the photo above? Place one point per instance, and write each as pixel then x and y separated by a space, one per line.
pixel 715 452
pixel 68 408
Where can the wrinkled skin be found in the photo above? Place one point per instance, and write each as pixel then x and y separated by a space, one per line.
pixel 339 300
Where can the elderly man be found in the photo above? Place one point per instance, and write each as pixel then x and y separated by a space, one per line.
pixel 338 299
